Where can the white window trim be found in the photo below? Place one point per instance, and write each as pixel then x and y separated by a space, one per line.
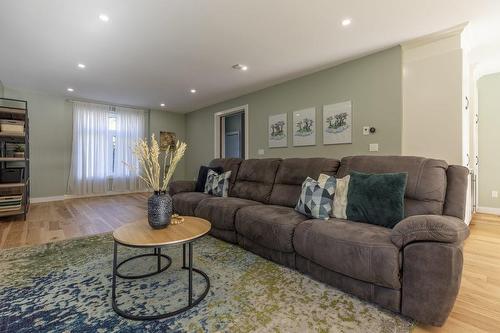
pixel 217 128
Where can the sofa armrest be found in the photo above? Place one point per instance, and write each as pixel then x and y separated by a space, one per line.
pixel 433 228
pixel 180 186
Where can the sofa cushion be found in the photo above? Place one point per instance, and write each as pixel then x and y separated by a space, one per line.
pixel 185 203
pixel 426 185
pixel 269 226
pixel 220 211
pixel 255 179
pixel 291 174
pixel 358 250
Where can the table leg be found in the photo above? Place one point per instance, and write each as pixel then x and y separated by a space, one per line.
pixel 184 255
pixel 157 252
pixel 113 289
pixel 159 259
pixel 190 273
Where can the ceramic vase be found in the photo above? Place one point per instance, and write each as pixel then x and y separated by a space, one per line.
pixel 159 209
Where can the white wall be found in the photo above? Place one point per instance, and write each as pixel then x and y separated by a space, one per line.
pixel 436 81
pixel 432 98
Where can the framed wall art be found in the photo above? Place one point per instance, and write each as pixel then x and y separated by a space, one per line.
pixel 337 123
pixel 277 127
pixel 304 122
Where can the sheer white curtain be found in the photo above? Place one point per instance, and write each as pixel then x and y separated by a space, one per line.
pixel 89 159
pixel 103 137
pixel 129 129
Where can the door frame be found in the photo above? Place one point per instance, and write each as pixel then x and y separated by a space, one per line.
pixel 217 128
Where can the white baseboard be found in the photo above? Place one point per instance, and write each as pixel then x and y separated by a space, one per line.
pixel 488 210
pixel 73 196
pixel 47 199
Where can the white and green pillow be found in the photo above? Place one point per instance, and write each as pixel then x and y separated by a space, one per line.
pixel 316 197
pixel 217 185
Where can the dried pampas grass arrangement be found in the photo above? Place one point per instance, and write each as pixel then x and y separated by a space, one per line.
pixel 149 162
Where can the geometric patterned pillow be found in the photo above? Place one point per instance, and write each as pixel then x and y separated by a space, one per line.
pixel 316 199
pixel 217 185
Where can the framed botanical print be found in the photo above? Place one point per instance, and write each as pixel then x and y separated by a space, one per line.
pixel 304 122
pixel 337 123
pixel 277 128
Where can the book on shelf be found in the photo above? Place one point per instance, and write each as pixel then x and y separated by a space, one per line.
pixel 10 202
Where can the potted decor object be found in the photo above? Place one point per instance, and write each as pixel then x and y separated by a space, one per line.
pixel 19 151
pixel 160 202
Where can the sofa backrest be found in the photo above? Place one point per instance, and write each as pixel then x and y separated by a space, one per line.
pixel 255 179
pixel 291 174
pixel 427 180
pixel 456 191
pixel 228 164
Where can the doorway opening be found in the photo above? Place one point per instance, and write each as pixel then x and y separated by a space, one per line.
pixel 231 133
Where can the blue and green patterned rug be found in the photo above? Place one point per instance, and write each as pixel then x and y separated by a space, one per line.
pixel 66 287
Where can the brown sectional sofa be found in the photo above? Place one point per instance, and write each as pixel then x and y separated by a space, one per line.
pixel 413 269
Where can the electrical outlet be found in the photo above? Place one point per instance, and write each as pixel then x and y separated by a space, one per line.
pixel 373 146
pixel 366 130
pixel 494 194
pixel 260 152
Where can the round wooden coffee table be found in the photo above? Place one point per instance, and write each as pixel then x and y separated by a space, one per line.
pixel 140 235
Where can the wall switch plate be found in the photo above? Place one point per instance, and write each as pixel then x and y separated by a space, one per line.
pixel 494 194
pixel 260 151
pixel 373 146
pixel 366 130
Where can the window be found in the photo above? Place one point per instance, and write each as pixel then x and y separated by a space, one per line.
pixel 103 137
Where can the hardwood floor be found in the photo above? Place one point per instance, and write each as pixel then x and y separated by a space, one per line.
pixel 60 220
pixel 477 308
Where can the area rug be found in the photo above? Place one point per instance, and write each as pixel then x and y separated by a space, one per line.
pixel 66 287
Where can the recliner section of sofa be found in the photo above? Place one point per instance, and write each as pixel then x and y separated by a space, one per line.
pixel 361 251
pixel 413 269
pixel 221 212
pixel 268 231
pixel 185 200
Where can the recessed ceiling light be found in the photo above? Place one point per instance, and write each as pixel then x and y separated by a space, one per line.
pixel 162 105
pixel 193 91
pixel 82 66
pixel 346 22
pixel 70 89
pixel 240 67
pixel 104 17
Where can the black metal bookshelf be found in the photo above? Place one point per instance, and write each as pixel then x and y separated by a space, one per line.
pixel 14 166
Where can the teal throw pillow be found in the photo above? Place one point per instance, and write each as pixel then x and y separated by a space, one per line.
pixel 376 198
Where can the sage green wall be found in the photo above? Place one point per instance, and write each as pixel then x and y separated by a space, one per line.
pixel 372 83
pixel 489 137
pixel 1 89
pixel 161 120
pixel 50 141
pixel 51 135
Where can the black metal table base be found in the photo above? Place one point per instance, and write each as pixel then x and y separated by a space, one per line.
pixel 159 269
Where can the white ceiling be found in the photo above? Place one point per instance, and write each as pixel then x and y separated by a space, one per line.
pixel 155 51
